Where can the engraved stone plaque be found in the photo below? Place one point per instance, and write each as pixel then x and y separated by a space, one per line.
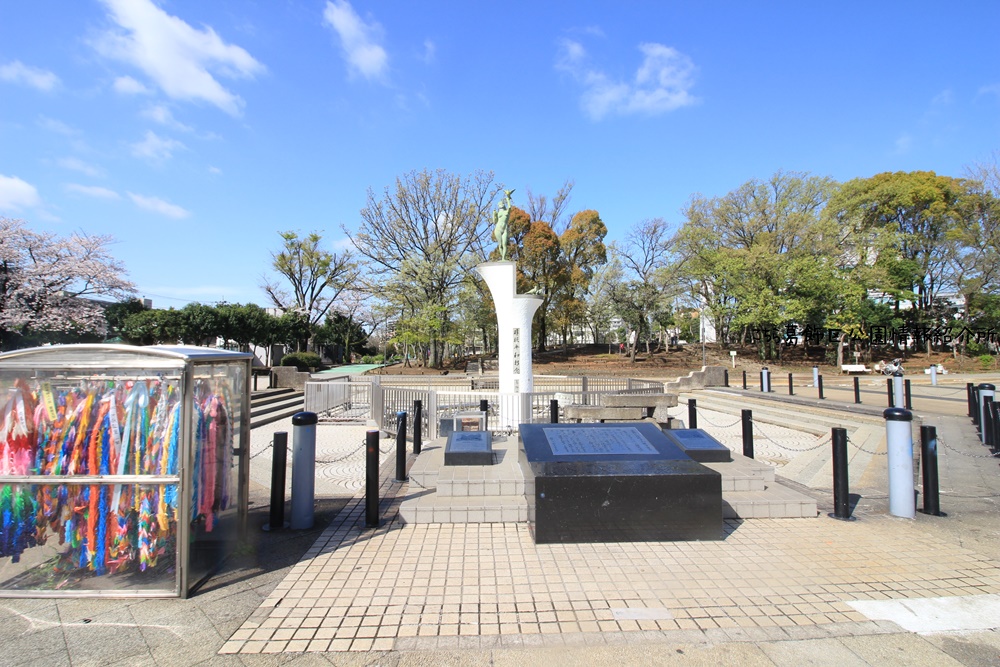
pixel 597 442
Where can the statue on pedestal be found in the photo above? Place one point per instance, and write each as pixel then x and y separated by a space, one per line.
pixel 500 231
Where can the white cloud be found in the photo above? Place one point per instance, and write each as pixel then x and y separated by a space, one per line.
pixel 157 205
pixel 360 40
pixel 76 164
pixel 126 85
pixel 181 60
pixel 16 194
pixel 18 72
pixel 93 191
pixel 991 89
pixel 662 82
pixel 215 171
pixel 430 50
pixel 156 148
pixel 162 115
pixel 57 126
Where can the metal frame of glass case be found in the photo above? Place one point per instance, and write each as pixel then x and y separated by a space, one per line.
pixel 124 471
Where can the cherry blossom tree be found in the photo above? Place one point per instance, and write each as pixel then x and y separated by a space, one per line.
pixel 47 283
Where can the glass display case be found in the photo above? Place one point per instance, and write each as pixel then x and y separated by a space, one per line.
pixel 123 470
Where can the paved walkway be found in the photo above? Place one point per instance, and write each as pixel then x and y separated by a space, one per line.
pixel 876 591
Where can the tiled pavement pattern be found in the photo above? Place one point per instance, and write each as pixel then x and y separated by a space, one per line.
pixel 488 585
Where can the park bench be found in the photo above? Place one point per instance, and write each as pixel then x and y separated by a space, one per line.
pixel 854 368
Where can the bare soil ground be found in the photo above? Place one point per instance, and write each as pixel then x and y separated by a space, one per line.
pixel 597 360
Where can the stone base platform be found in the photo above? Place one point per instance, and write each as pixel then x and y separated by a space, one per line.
pixel 495 494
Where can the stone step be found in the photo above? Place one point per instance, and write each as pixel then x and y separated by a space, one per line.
pixel 432 508
pixel 779 415
pixel 774 502
pixel 743 474
pixel 795 404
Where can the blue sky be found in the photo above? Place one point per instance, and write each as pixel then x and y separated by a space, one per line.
pixel 193 132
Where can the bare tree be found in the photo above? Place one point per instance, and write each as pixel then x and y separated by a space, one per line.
pixel 421 239
pixel 540 209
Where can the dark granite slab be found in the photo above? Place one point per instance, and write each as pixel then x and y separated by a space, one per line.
pixel 469 448
pixel 699 445
pixel 623 482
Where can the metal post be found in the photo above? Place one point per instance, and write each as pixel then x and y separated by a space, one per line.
pixel 747 416
pixel 278 463
pixel 418 425
pixel 725 372
pixel 484 407
pixel 554 411
pixel 820 387
pixel 975 405
pixel 933 375
pixel 744 379
pixel 929 468
pixel 899 442
pixel 841 493
pixel 400 446
pixel 972 402
pixel 371 479
pixel 692 413
pixel 303 470
pixel 857 389
pixel 985 389
pixel 815 376
pixel 763 387
pixel 995 421
pixel 907 396
pixel 791 390
pixel 888 388
pixel 255 383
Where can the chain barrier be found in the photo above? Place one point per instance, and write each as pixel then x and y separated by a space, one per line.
pixel 702 417
pixel 757 429
pixel 866 451
pixel 967 454
pixel 265 448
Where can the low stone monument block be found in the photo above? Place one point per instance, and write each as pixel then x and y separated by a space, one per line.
pixel 622 482
pixel 699 445
pixel 469 448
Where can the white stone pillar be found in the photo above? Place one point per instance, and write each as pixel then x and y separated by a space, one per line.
pixel 514 314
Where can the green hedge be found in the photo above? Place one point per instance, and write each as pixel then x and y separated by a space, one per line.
pixel 302 360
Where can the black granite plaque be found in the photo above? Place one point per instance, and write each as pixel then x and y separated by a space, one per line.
pixel 699 445
pixel 622 482
pixel 469 448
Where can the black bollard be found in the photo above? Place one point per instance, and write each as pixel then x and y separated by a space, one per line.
pixel 553 411
pixel 820 386
pixel 371 479
pixel 907 398
pixel 763 387
pixel 968 390
pixel 744 379
pixel 278 463
pixel 418 425
pixel 995 419
pixel 892 394
pixel 791 390
pixel 400 446
pixel 929 467
pixel 857 390
pixel 484 407
pixel 725 372
pixel 975 405
pixel 255 382
pixel 692 413
pixel 841 494
pixel 747 433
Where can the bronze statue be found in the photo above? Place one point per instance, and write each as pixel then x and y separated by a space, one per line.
pixel 500 232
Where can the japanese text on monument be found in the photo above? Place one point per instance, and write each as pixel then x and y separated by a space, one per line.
pixel 596 441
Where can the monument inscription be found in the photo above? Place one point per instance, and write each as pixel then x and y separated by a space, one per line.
pixel 597 442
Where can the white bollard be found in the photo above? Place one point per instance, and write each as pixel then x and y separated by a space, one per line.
pixel 815 376
pixel 899 443
pixel 933 375
pixel 898 394
pixel 303 470
pixel 985 389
